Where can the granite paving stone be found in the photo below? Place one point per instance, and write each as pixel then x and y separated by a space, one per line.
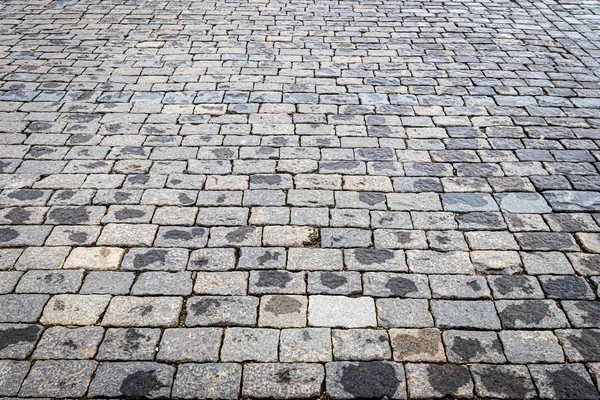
pixel 210 380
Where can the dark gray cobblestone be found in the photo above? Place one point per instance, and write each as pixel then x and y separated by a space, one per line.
pixel 301 199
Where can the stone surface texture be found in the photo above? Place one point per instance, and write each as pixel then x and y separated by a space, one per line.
pixel 300 199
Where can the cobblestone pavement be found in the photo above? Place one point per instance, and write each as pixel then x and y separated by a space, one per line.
pixel 304 198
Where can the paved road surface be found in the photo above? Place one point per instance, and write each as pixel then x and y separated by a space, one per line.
pixel 287 199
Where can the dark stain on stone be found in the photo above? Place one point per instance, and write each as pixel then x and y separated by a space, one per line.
pixel 529 312
pixel 8 234
pixel 41 151
pixel 427 185
pixel 53 278
pixel 122 196
pixel 220 199
pixel 78 237
pixel 176 181
pixel 372 256
pixel 69 215
pixel 284 376
pixel 176 234
pixel 401 286
pixel 200 262
pixel 142 310
pixel 265 179
pixel 131 150
pixel 94 165
pixel 282 305
pixel 17 215
pixel 591 310
pixel 223 153
pixel 474 285
pixel 139 179
pixel 506 284
pixel 204 305
pixel 568 384
pixel 266 150
pixel 467 349
pixel 447 379
pixel 240 234
pixel 333 280
pixel 268 256
pixel 185 199
pixel 371 198
pixel 69 344
pixel 132 340
pixel 403 237
pixel 140 384
pixel 587 343
pixel 148 258
pixel 128 213
pixel 23 195
pixel 11 336
pixel 512 386
pixel 65 195
pixel 369 380
pixel 3 166
pixel 273 279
